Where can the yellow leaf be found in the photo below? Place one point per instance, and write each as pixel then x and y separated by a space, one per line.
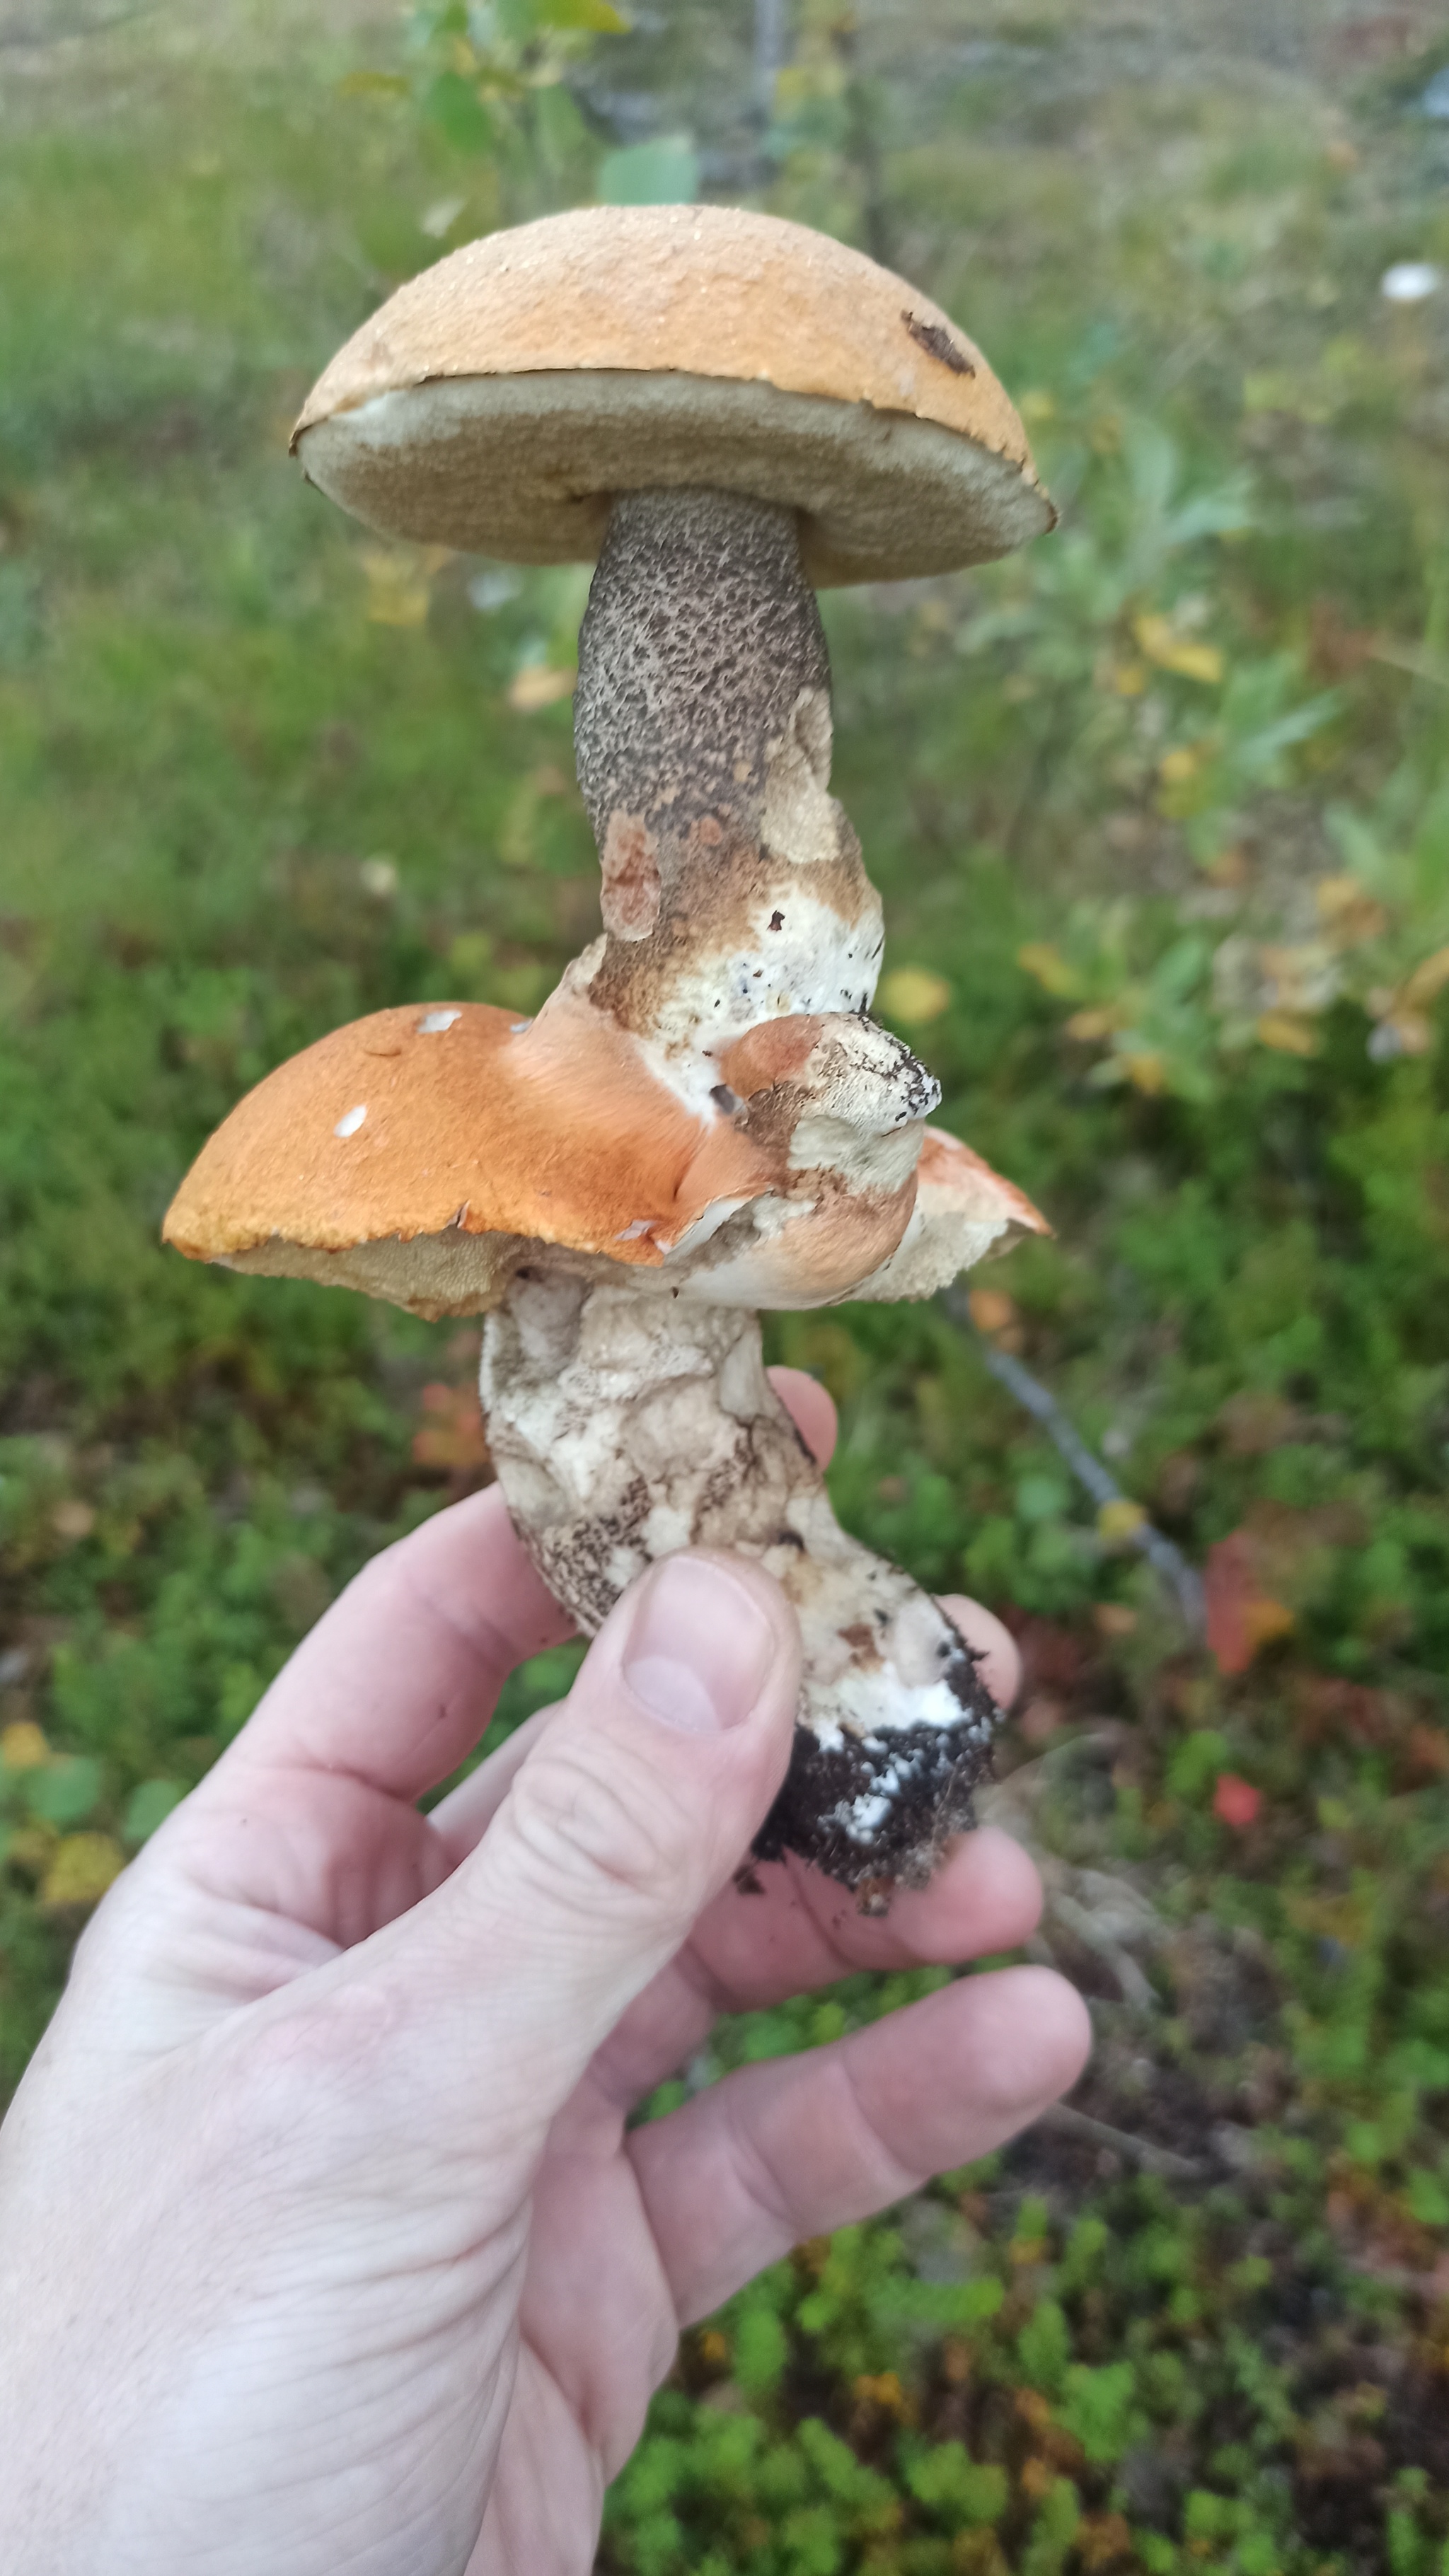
pixel 22 1746
pixel 1090 1025
pixel 1427 980
pixel 30 1848
pixel 1401 1032
pixel 1299 980
pixel 1049 967
pixel 1147 1071
pixel 1229 868
pixel 372 85
pixel 1349 914
pixel 1198 662
pixel 399 585
pixel 537 686
pixel 1129 679
pixel 914 995
pixel 992 1311
pixel 1117 1521
pixel 1285 1034
pixel 1162 644
pixel 1114 1619
pixel 81 1868
pixel 1036 406
pixel 1155 635
pixel 1265 1619
pixel 883 2389
pixel 1348 1919
pixel 1181 763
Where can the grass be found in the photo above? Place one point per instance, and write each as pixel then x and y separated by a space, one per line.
pixel 1161 816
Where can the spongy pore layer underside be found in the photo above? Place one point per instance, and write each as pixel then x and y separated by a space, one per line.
pixel 523 467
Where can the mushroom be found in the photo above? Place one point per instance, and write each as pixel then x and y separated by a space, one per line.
pixel 702 1119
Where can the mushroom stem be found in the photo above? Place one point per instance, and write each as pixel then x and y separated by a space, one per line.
pixel 734 889
pixel 627 1421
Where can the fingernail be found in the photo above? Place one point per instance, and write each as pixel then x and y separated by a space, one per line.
pixel 699 1649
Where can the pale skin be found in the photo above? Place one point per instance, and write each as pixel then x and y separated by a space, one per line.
pixel 324 2247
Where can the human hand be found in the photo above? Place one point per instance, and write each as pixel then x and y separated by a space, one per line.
pixel 324 2248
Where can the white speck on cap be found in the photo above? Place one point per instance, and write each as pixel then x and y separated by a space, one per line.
pixel 518 1027
pixel 1410 280
pixel 434 1022
pixel 350 1121
pixel 631 1233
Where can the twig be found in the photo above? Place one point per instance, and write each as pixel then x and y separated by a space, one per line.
pixel 1182 1579
pixel 770 48
pixel 1419 664
pixel 36 39
pixel 1123 2142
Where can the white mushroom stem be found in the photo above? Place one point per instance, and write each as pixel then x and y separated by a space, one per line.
pixel 628 1409
pixel 628 1420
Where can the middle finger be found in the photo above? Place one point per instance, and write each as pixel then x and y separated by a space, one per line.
pixel 803 1932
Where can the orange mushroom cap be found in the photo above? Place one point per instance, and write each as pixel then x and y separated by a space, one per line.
pixel 415 1154
pixel 499 400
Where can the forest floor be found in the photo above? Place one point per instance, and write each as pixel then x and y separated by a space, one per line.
pixel 1161 816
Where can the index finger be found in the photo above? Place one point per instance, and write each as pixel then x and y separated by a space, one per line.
pixel 398 1680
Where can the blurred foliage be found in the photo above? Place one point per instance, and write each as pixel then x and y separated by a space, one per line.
pixel 1161 814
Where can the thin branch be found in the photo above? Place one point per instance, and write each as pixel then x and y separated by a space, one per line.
pixel 1412 658
pixel 1167 1561
pixel 771 46
pixel 1123 2142
pixel 36 39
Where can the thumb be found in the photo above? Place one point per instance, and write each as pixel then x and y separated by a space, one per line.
pixel 623 1822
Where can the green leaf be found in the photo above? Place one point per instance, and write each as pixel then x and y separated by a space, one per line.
pixel 963 2493
pixel 1196 1763
pixel 1428 2200
pixel 454 105
pixel 147 1807
pixel 596 16
pixel 65 1792
pixel 1099 2408
pixel 1041 1496
pixel 560 128
pixel 664 172
pixel 761 2352
pixel 1045 2347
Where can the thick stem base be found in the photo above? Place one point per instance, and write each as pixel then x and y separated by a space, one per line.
pixel 627 1422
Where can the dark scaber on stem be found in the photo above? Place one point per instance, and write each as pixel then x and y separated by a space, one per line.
pixel 702 737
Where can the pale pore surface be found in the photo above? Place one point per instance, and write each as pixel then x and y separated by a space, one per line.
pixel 524 467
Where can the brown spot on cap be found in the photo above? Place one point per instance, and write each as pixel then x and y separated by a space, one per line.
pixel 501 399
pixel 937 342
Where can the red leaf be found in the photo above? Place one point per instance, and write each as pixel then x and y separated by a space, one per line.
pixel 1242 1614
pixel 454 1438
pixel 1236 1801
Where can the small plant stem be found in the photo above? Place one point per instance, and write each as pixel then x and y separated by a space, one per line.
pixel 1181 1579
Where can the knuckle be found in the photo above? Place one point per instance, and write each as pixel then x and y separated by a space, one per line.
pixel 589 1818
pixel 309 2059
